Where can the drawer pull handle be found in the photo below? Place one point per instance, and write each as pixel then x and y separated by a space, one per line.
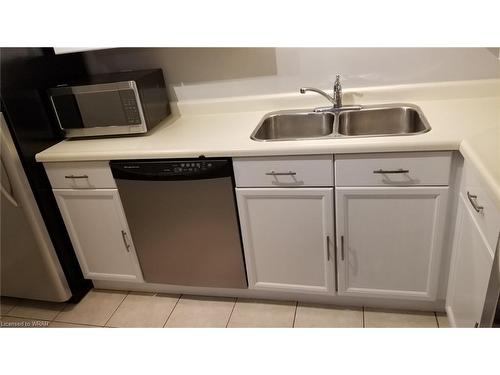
pixel 386 171
pixel 473 202
pixel 73 176
pixel 125 242
pixel 273 173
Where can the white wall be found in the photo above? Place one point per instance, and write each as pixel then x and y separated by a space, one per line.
pixel 197 73
pixel 187 65
pixel 359 67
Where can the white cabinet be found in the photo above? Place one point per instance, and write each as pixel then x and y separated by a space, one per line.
pixel 477 232
pixel 393 169
pixel 99 232
pixel 389 241
pixel 284 171
pixel 470 271
pixel 80 175
pixel 288 238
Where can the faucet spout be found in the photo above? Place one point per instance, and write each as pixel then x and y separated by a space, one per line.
pixel 303 90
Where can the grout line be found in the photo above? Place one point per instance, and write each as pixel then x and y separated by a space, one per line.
pixel 437 320
pixel 230 315
pixel 17 301
pixel 60 312
pixel 78 324
pixel 172 311
pixel 126 295
pixel 66 305
pixel 20 303
pixel 295 314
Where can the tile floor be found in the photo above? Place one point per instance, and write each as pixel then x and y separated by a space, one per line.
pixel 105 308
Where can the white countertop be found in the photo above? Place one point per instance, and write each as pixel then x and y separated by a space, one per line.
pixel 463 116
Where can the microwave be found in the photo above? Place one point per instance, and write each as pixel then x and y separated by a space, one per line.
pixel 130 102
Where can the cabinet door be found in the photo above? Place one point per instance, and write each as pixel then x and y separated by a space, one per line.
pixel 99 232
pixel 470 270
pixel 288 238
pixel 389 241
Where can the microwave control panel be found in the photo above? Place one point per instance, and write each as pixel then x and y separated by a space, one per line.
pixel 130 107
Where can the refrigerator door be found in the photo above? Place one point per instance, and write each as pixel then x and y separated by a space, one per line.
pixel 29 265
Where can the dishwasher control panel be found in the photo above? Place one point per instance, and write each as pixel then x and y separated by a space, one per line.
pixel 171 169
pixel 188 167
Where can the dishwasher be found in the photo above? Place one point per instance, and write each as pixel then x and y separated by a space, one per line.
pixel 183 220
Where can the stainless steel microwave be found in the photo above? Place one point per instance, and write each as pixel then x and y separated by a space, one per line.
pixel 111 104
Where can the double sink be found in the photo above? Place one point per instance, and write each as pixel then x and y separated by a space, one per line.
pixel 366 121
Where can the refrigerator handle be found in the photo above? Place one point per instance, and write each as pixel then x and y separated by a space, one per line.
pixel 4 191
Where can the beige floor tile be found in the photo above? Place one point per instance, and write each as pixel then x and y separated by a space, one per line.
pixel 261 313
pixel 94 309
pixel 70 325
pixel 15 322
pixel 199 311
pixel 7 304
pixel 144 310
pixel 443 320
pixel 36 309
pixel 375 318
pixel 324 316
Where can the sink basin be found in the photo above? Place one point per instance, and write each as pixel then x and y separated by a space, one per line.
pixel 382 121
pixel 288 125
pixel 367 121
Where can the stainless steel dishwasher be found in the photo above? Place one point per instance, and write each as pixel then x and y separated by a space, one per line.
pixel 183 220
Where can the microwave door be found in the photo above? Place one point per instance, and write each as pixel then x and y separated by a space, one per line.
pixel 101 109
pixel 94 110
pixel 67 111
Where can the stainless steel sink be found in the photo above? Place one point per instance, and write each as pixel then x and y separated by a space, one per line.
pixel 402 120
pixel 290 125
pixel 367 121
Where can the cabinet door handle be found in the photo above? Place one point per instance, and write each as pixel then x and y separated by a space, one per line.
pixel 342 247
pixel 73 176
pixel 273 173
pixel 328 248
pixel 125 242
pixel 473 202
pixel 336 270
pixel 387 171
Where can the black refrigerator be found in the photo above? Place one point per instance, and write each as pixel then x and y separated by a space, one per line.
pixel 25 74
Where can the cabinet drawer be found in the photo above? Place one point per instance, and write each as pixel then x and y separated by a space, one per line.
pixel 83 175
pixel 394 169
pixel 481 205
pixel 285 171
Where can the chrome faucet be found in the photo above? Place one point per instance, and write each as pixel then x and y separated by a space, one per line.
pixel 336 99
pixel 337 92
